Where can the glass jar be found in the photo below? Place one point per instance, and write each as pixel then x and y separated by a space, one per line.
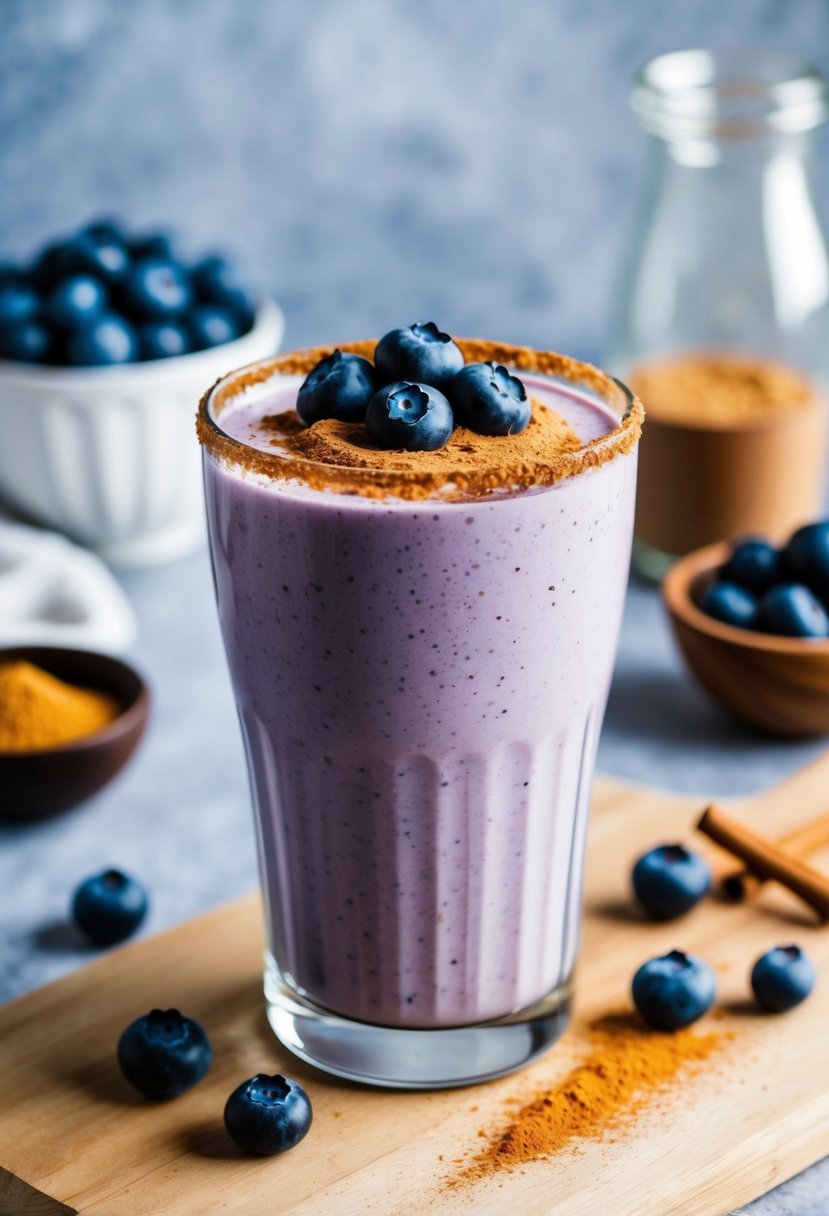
pixel 722 316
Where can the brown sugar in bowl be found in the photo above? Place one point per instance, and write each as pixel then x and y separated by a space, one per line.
pixel 43 782
pixel 779 685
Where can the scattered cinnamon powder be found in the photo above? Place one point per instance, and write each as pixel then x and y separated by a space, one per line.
pixel 336 456
pixel 37 710
pixel 712 390
pixel 626 1069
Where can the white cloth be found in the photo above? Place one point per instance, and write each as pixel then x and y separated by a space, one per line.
pixel 53 593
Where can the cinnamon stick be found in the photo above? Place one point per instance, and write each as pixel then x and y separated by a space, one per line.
pixel 767 859
pixel 744 884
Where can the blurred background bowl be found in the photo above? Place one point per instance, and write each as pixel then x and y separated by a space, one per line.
pixel 41 783
pixel 779 685
pixel 109 455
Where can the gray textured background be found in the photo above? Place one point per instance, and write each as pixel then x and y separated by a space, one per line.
pixel 376 161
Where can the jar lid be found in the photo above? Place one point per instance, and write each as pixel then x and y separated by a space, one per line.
pixel 728 94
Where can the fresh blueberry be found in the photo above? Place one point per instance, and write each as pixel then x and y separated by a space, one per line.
pixel 415 417
pixel 164 1053
pixel 487 399
pixel 794 611
pixel 212 325
pixel 51 264
pixel 806 557
pixel 783 978
pixel 155 245
pixel 163 339
pixel 155 288
pixel 107 339
pixel 268 1115
pixel 18 302
pixel 669 880
pixel 754 564
pixel 218 281
pixel 27 342
pixel 75 300
pixel 419 353
pixel 109 907
pixel 673 991
pixel 730 603
pixel 105 231
pixel 339 386
pixel 101 257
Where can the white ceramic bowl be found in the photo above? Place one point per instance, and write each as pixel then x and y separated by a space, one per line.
pixel 109 455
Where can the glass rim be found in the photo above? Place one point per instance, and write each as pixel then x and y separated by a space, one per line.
pixel 730 92
pixel 612 392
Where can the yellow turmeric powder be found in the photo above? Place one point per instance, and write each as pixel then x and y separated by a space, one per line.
pixel 627 1066
pixel 38 711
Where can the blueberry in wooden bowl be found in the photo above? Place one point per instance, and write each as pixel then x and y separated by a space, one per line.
pixel 762 652
pixel 69 721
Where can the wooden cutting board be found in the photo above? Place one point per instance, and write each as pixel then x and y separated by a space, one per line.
pixel 74 1138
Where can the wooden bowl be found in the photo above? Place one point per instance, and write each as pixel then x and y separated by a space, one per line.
pixel 37 784
pixel 777 684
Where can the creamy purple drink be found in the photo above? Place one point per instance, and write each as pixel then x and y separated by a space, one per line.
pixel 420 680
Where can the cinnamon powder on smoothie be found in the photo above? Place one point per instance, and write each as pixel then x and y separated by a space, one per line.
pixel 627 1069
pixel 331 455
pixel 466 459
pixel 713 390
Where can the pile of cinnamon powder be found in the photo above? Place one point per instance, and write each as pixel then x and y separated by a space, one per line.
pixel 628 1066
pixel 471 462
pixel 718 390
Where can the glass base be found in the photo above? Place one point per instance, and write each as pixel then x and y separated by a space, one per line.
pixel 412 1059
pixel 651 564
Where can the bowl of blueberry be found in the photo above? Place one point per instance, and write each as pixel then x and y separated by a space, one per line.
pixel 107 341
pixel 752 621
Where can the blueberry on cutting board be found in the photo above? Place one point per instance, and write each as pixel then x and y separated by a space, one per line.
pixel 783 978
pixel 268 1114
pixel 674 991
pixel 163 1053
pixel 669 880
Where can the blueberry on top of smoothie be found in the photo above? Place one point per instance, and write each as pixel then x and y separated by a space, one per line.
pixel 339 386
pixel 488 399
pixel 414 417
pixel 419 353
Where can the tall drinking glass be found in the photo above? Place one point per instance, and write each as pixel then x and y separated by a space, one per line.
pixel 420 673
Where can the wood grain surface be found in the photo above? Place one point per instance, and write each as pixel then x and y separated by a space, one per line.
pixel 75 1138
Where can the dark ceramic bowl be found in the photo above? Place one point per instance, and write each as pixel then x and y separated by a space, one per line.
pixel 779 685
pixel 37 784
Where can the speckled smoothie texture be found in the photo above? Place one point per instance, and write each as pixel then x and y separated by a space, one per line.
pixel 420 687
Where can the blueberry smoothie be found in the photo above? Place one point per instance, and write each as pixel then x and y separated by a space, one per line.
pixel 420 664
